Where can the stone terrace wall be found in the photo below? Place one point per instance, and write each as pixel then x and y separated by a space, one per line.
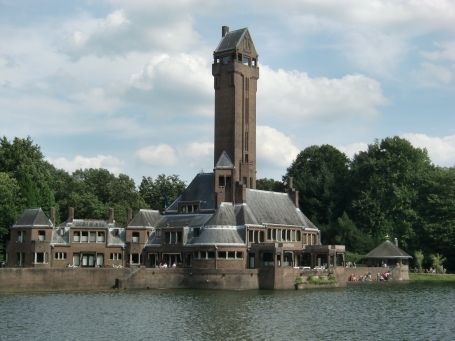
pixel 156 278
pixel 26 279
pixel 398 273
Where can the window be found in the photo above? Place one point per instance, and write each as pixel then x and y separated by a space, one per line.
pixel 251 236
pixel 203 255
pixel 197 232
pixel 228 181
pixel 116 233
pixel 246 155
pixel 135 258
pixel 100 259
pixel 116 256
pixel 135 237
pixel 225 59
pixel 246 61
pixel 267 259
pixel 92 237
pixel 39 257
pixel 211 255
pixel 231 255
pixel 158 233
pixel 222 254
pixel 221 181
pixel 239 57
pixel 76 259
pixel 84 237
pixel 254 62
pixel 20 236
pixel 239 255
pixel 41 236
pixel 100 238
pixel 77 237
pixel 60 255
pixel 20 259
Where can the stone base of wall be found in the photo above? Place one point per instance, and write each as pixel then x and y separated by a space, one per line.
pixel 30 279
pixel 26 279
pixel 399 273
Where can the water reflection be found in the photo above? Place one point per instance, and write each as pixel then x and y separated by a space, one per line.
pixel 399 311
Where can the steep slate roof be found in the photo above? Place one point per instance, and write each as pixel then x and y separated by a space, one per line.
pixel 231 40
pixel 145 218
pixel 32 217
pixel 224 161
pixel 220 236
pixel 200 189
pixel 387 250
pixel 264 207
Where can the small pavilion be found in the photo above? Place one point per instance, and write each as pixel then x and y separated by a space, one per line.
pixel 387 254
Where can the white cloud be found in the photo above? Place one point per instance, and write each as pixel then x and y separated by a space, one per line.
pixel 298 97
pixel 441 150
pixel 431 74
pixel 157 156
pixel 112 164
pixel 446 51
pixel 354 148
pixel 274 148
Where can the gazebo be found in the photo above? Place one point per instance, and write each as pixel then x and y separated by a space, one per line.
pixel 387 254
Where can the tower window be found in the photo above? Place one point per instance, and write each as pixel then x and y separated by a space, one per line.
pixel 232 79
pixel 246 61
pixel 244 180
pixel 228 181
pixel 239 57
pixel 225 59
pixel 246 157
pixel 221 181
pixel 254 63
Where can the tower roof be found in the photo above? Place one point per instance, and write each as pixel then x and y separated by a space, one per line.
pixel 224 161
pixel 231 40
pixel 33 217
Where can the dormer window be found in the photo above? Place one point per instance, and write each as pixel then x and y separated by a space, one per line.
pixel 197 232
pixel 135 237
pixel 158 233
pixel 225 59
pixel 41 236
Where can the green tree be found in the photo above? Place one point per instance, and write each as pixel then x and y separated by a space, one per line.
pixel 436 261
pixel 271 185
pixel 154 191
pixel 418 260
pixel 320 175
pixel 10 207
pixel 385 182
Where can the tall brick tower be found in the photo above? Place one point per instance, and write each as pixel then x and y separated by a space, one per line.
pixel 235 71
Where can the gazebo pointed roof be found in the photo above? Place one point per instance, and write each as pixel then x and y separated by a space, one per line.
pixel 388 250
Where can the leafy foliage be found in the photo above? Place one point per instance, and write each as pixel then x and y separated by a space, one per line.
pixel 162 191
pixel 320 174
pixel 270 185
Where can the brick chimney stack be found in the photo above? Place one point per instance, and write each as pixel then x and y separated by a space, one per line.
pixel 70 214
pixel 52 215
pixel 111 216
pixel 224 31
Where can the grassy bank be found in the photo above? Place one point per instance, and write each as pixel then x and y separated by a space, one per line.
pixel 432 277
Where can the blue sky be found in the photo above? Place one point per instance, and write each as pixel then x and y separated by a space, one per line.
pixel 127 85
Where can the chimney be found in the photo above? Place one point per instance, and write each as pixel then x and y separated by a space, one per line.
pixel 290 182
pixel 111 216
pixel 52 215
pixel 396 242
pixel 70 214
pixel 130 215
pixel 224 31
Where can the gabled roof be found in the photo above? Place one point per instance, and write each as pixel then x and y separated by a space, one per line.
pixel 33 217
pixel 231 40
pixel 387 250
pixel 264 207
pixel 145 218
pixel 224 161
pixel 200 189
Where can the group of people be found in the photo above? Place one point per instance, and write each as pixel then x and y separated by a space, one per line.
pixel 164 265
pixel 365 278
pixel 351 265
pixel 385 276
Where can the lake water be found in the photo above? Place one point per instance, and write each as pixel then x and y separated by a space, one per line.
pixel 374 311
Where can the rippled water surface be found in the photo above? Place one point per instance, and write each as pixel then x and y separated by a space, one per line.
pixel 375 311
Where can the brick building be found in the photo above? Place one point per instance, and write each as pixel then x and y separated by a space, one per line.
pixel 220 221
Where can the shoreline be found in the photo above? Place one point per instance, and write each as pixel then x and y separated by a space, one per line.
pixel 416 277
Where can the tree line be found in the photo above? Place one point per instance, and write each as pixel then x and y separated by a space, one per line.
pixel 28 180
pixel 391 189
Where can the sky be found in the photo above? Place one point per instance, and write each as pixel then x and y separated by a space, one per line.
pixel 126 85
